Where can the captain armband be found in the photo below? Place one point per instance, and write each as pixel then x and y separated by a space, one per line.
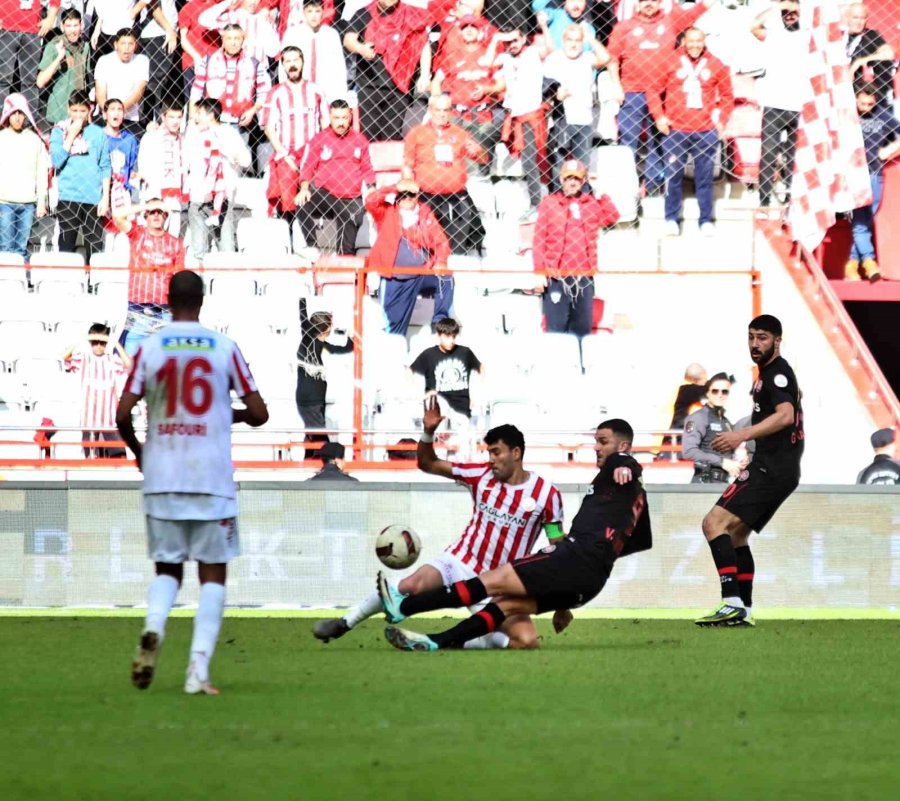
pixel 554 531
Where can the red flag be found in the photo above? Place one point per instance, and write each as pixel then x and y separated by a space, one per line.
pixel 830 171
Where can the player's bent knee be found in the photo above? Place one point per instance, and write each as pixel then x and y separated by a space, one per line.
pixel 525 641
pixel 176 571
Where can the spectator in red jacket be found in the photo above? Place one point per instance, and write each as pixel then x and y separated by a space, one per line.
pixel 409 235
pixel 638 46
pixel 335 168
pixel 21 32
pixel 565 250
pixel 691 104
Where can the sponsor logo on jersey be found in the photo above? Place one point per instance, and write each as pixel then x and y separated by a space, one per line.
pixel 780 381
pixel 744 475
pixel 188 343
pixel 757 386
pixel 689 426
pixel 548 549
pixel 529 504
pixel 501 518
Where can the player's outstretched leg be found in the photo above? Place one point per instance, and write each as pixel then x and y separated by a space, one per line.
pixel 207 624
pixel 335 627
pixel 160 598
pixel 398 606
pixel 486 621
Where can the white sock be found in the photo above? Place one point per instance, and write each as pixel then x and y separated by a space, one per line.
pixel 370 606
pixel 749 610
pixel 206 627
pixel 160 598
pixel 496 639
pixel 735 601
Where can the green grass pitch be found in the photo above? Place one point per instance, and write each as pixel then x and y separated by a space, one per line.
pixel 613 709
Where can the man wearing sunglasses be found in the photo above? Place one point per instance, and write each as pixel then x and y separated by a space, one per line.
pixel 702 427
pixel 154 256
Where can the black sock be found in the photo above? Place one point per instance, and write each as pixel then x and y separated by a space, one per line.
pixel 726 563
pixel 484 622
pixel 745 572
pixel 462 593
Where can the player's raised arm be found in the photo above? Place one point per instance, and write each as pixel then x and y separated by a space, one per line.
pixel 426 458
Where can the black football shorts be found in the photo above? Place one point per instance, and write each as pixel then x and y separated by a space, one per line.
pixel 565 574
pixel 755 495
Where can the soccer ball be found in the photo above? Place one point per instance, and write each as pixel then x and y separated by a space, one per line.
pixel 397 546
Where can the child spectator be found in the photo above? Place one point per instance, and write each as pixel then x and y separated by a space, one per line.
pixel 101 372
pixel 24 177
pixel 123 155
pixel 80 155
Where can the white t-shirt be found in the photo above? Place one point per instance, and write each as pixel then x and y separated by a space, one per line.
pixel 577 76
pixel 151 29
pixel 524 76
pixel 114 15
pixel 121 78
pixel 185 373
pixel 786 83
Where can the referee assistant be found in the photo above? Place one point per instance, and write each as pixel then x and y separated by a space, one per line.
pixel 613 521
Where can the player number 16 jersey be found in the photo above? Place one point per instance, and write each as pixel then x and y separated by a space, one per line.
pixel 185 373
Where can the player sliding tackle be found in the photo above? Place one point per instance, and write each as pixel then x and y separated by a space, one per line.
pixel 509 506
pixel 613 521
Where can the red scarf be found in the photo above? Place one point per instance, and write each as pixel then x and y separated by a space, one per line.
pixel 174 176
pixel 398 38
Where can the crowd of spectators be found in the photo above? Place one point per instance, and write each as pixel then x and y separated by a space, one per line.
pixel 178 100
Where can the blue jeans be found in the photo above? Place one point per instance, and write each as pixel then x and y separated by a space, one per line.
pixel 15 227
pixel 570 142
pixel 863 224
pixel 676 147
pixel 398 299
pixel 634 117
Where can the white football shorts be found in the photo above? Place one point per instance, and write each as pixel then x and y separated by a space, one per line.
pixel 176 541
pixel 453 570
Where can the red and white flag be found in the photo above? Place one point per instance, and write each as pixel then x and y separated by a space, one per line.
pixel 830 172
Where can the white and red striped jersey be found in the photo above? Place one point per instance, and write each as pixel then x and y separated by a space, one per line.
pixel 186 372
pixel 506 518
pixel 295 113
pixel 100 380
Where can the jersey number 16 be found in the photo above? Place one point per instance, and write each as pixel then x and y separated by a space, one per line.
pixel 192 388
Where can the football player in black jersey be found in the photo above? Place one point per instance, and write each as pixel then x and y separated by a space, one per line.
pixel 613 521
pixel 752 499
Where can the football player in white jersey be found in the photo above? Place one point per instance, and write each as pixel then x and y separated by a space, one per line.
pixel 186 372
pixel 510 504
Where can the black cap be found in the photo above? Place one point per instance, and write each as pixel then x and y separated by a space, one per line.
pixel 332 450
pixel 882 438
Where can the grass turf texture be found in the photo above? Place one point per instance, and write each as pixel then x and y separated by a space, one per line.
pixel 642 709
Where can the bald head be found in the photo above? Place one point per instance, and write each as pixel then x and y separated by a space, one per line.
pixel 695 373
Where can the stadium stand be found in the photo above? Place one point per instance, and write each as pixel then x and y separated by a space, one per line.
pixel 655 291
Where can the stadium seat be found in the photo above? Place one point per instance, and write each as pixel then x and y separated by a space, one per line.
pixel 387 160
pixel 263 234
pixel 614 174
pixel 59 273
pixel 20 338
pixel 504 164
pixel 627 250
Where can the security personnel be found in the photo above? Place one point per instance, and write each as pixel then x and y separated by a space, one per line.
pixel 702 427
pixel 885 470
